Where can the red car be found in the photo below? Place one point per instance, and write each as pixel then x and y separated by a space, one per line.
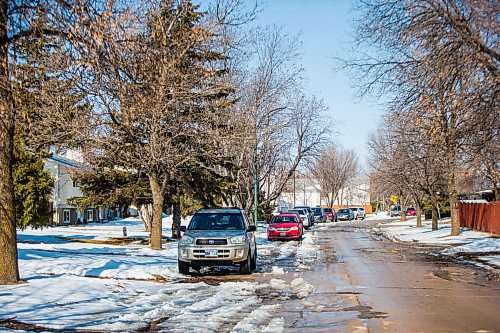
pixel 285 226
pixel 331 214
pixel 411 212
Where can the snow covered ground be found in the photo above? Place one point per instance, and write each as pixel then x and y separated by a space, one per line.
pixel 481 247
pixel 74 279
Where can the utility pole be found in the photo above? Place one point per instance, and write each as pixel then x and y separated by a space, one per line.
pixel 294 203
pixel 255 185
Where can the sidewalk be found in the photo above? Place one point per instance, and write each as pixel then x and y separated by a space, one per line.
pixel 480 248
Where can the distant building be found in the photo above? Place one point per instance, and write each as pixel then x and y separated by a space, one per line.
pixel 308 192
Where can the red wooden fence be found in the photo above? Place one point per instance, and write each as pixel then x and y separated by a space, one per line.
pixel 480 216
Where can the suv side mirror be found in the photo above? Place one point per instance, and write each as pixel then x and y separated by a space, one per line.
pixel 251 228
pixel 182 228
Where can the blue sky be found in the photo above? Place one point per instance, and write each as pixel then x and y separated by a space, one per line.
pixel 326 28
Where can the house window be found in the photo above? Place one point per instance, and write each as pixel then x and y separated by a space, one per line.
pixel 90 215
pixel 66 216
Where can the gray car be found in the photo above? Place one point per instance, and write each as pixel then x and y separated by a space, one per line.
pixel 218 237
pixel 345 214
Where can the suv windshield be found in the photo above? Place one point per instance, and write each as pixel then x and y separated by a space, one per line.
pixel 328 210
pixel 217 221
pixel 300 211
pixel 343 211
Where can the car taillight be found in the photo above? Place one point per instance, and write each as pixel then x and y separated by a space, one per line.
pixel 302 218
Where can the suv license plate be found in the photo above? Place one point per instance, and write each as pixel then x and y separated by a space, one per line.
pixel 211 253
pixel 282 233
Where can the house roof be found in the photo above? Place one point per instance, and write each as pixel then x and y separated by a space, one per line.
pixel 63 160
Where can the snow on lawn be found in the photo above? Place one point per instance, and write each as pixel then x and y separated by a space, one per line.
pixel 73 282
pixel 113 305
pixel 481 244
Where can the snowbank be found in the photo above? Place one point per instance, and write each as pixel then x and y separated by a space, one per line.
pixel 484 247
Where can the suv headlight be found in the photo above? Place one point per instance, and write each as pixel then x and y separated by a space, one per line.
pixel 186 240
pixel 237 240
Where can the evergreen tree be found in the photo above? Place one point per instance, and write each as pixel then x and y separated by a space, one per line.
pixel 32 188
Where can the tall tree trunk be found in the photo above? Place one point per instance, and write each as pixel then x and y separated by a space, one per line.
pixel 434 212
pixel 402 206
pixel 9 270
pixel 452 193
pixel 156 226
pixel 176 219
pixel 419 213
pixel 455 218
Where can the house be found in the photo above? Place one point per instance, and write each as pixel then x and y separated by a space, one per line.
pixel 65 188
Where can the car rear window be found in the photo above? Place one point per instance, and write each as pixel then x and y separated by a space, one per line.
pixel 217 221
pixel 283 219
pixel 317 211
pixel 328 210
pixel 343 211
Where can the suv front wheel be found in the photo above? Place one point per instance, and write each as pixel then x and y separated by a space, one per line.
pixel 253 265
pixel 246 266
pixel 183 267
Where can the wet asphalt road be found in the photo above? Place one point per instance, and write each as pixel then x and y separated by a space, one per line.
pixel 364 283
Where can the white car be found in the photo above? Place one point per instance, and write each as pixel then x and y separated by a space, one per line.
pixel 359 213
pixel 304 216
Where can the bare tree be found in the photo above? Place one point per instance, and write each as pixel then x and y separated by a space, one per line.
pixel 282 129
pixel 438 57
pixel 334 169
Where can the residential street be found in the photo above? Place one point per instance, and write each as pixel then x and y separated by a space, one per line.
pixel 342 277
pixel 367 284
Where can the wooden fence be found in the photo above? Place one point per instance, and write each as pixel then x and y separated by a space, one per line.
pixel 480 216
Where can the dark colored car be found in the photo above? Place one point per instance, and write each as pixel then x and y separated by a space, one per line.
pixel 319 214
pixel 395 211
pixel 285 226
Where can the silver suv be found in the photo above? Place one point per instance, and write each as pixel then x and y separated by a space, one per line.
pixel 218 237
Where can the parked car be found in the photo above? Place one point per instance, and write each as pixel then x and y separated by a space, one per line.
pixel 303 215
pixel 395 211
pixel 345 214
pixel 309 211
pixel 218 237
pixel 410 211
pixel 285 226
pixel 331 214
pixel 319 215
pixel 359 213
